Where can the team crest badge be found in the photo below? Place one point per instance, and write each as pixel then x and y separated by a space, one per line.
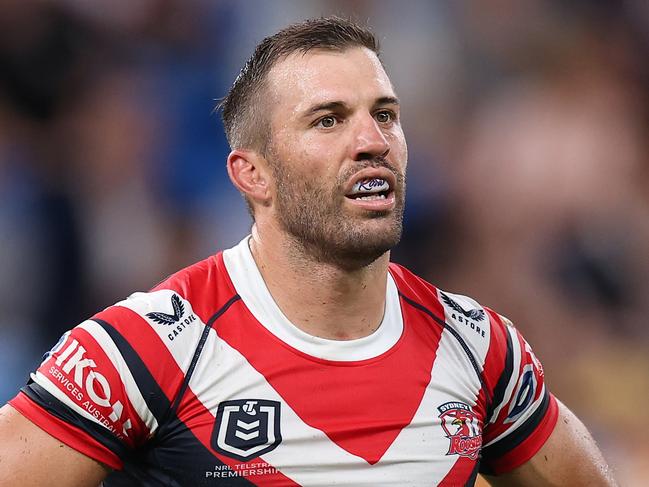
pixel 247 428
pixel 462 428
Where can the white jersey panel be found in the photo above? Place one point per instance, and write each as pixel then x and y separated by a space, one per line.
pixel 222 373
pixel 167 313
pixel 471 321
pixel 424 439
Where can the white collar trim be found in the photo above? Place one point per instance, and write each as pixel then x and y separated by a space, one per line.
pixel 250 285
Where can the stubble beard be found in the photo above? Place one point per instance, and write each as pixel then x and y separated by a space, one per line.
pixel 314 217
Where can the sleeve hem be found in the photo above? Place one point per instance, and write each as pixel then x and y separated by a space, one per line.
pixel 72 436
pixel 531 445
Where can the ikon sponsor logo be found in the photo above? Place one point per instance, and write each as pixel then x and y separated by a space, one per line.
pixel 90 389
pixel 247 428
pixel 462 428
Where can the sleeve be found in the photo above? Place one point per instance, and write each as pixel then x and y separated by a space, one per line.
pixel 523 412
pixel 85 395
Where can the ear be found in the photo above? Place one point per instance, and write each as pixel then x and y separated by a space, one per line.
pixel 248 172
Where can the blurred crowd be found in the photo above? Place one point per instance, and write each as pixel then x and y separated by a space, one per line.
pixel 528 175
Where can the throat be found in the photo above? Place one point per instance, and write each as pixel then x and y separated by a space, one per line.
pixel 333 314
pixel 327 302
pixel 343 332
pixel 321 298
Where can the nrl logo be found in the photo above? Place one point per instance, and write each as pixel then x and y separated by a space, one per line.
pixel 164 318
pixel 247 428
pixel 462 428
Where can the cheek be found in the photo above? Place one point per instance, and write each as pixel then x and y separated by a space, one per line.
pixel 398 147
pixel 320 156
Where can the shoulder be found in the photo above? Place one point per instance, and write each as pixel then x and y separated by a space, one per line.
pixel 113 378
pixel 198 290
pixel 169 319
pixel 484 337
pixel 461 314
pixel 206 284
pixel 519 411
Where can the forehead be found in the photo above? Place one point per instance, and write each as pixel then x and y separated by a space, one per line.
pixel 352 76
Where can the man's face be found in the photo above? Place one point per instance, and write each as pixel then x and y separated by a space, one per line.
pixel 338 155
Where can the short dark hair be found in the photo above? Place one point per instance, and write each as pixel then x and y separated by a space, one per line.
pixel 244 126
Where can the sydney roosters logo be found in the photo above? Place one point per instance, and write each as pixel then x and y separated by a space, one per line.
pixel 462 428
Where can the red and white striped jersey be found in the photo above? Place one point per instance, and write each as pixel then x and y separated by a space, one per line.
pixel 204 381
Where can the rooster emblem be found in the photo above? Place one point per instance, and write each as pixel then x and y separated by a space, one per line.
pixel 463 429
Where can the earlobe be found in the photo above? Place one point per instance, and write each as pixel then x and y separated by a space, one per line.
pixel 247 172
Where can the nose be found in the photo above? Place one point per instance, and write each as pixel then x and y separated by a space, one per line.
pixel 369 140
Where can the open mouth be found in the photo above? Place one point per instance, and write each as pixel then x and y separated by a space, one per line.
pixel 370 189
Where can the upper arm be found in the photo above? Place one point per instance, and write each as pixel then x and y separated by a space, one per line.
pixel 569 457
pixel 523 412
pixel 31 457
pixel 92 402
pixel 84 395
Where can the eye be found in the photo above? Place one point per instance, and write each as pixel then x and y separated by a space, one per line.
pixel 327 122
pixel 384 116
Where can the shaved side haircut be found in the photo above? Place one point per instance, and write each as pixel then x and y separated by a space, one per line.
pixel 243 109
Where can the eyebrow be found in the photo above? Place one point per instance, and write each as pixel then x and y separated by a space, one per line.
pixel 342 106
pixel 387 100
pixel 326 106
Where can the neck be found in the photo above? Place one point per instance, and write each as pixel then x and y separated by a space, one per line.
pixel 334 302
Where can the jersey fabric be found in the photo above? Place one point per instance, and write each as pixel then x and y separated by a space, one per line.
pixel 204 381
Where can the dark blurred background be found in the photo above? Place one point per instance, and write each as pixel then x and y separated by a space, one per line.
pixel 528 177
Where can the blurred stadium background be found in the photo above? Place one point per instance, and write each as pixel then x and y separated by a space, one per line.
pixel 528 177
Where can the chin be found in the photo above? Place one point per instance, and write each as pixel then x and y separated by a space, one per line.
pixel 337 236
pixel 363 245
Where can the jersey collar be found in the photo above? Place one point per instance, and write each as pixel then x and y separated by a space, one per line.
pixel 250 285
